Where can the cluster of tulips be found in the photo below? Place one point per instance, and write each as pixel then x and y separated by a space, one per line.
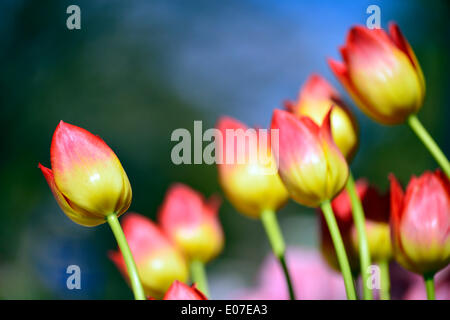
pixel 318 137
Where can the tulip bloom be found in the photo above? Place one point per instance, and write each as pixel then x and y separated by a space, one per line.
pixel 420 222
pixel 382 74
pixel 309 163
pixel 87 178
pixel 252 185
pixel 192 223
pixel 315 100
pixel 376 208
pixel 158 262
pixel 180 291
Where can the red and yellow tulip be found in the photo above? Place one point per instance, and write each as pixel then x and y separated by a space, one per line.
pixel 382 74
pixel 192 223
pixel 315 100
pixel 252 185
pixel 309 163
pixel 87 178
pixel 420 222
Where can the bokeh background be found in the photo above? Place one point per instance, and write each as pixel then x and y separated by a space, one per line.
pixel 136 71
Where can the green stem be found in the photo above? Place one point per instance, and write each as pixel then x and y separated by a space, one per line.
pixel 276 240
pixel 429 284
pixel 199 276
pixel 429 143
pixel 363 245
pixel 385 280
pixel 340 249
pixel 127 256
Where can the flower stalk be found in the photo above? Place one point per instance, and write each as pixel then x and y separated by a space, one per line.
pixel 422 133
pixel 385 280
pixel 429 285
pixel 340 249
pixel 359 220
pixel 135 282
pixel 199 276
pixel 270 223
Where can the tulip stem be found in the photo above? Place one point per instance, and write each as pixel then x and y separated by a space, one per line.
pixel 270 223
pixel 340 249
pixel 385 281
pixel 199 276
pixel 127 256
pixel 429 143
pixel 363 245
pixel 429 284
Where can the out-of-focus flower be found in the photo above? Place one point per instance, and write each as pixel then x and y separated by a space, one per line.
pixel 192 223
pixel 312 279
pixel 248 173
pixel 382 74
pixel 87 179
pixel 315 100
pixel 442 286
pixel 310 164
pixel 158 262
pixel 420 222
pixel 180 291
pixel 376 209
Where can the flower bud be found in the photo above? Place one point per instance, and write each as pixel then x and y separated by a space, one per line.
pixel 315 100
pixel 251 184
pixel 87 178
pixel 420 222
pixel 192 223
pixel 180 291
pixel 382 74
pixel 158 262
pixel 310 164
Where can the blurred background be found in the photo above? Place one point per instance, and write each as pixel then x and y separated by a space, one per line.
pixel 136 71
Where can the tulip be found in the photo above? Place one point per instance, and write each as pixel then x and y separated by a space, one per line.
pixel 252 185
pixel 158 261
pixel 314 171
pixel 315 100
pixel 180 291
pixel 420 224
pixel 87 179
pixel 192 223
pixel 251 181
pixel 309 163
pixel 90 185
pixel 382 74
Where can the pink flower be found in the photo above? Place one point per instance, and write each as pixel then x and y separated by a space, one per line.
pixel 312 278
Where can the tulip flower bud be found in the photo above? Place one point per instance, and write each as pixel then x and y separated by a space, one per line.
pixel 420 222
pixel 253 184
pixel 309 163
pixel 382 74
pixel 376 209
pixel 315 100
pixel 180 291
pixel 158 262
pixel 192 223
pixel 87 179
